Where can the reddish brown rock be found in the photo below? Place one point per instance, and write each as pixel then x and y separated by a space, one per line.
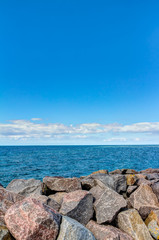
pixel 144 200
pixel 7 199
pixel 117 171
pixel 150 170
pixel 103 232
pixel 107 204
pixel 32 220
pixel 78 205
pixel 62 184
pixel 100 171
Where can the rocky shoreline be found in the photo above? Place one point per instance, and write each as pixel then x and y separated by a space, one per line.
pixel 118 205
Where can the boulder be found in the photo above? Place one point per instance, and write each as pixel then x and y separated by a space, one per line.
pixel 58 197
pixel 73 230
pixel 130 222
pixel 152 176
pixel 128 171
pixel 153 229
pixel 144 200
pixel 78 205
pixel 7 199
pixel 103 232
pixel 131 189
pixel 116 182
pixel 116 171
pixel 48 201
pixel 154 215
pixel 107 204
pixel 150 170
pixel 155 189
pixel 142 181
pixel 100 171
pixel 25 187
pixel 131 179
pixel 31 219
pixel 87 183
pixel 58 184
pixel 4 233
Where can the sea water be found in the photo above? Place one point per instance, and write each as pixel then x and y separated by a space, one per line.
pixel 72 161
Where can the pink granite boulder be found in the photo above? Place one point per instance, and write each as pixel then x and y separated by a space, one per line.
pixel 30 219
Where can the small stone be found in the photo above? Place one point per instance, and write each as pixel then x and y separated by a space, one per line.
pixel 62 184
pixel 103 232
pixel 131 179
pixel 144 200
pixel 30 219
pixel 130 222
pixel 58 197
pixel 153 229
pixel 25 187
pixel 108 205
pixel 78 205
pixel 4 233
pixel 73 230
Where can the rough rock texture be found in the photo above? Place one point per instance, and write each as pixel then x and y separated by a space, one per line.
pixel 131 189
pixel 131 179
pixel 73 230
pixel 144 200
pixel 108 205
pixel 32 220
pixel 48 201
pixel 4 233
pixel 25 187
pixel 116 182
pixel 154 215
pixel 152 176
pixel 58 197
pixel 155 189
pixel 142 181
pixel 153 229
pixel 78 205
pixel 62 184
pixel 100 171
pixel 116 171
pixel 150 170
pixel 7 199
pixel 102 232
pixel 87 183
pixel 128 171
pixel 130 222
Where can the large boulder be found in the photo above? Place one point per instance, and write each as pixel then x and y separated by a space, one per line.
pixel 130 222
pixel 144 200
pixel 59 184
pixel 107 204
pixel 103 232
pixel 32 220
pixel 25 187
pixel 78 205
pixel 117 182
pixel 7 199
pixel 73 230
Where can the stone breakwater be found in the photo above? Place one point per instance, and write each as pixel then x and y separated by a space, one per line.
pixel 119 205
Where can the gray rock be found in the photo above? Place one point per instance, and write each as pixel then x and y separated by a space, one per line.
pixel 58 197
pixel 78 205
pixel 131 189
pixel 155 189
pixel 87 183
pixel 25 187
pixel 73 230
pixel 108 205
pixel 49 202
pixel 117 182
pixel 152 176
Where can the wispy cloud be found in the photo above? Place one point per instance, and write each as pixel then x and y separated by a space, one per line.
pixel 20 129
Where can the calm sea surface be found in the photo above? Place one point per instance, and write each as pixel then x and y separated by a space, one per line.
pixel 68 161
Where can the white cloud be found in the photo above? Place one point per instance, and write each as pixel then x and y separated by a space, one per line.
pixel 25 129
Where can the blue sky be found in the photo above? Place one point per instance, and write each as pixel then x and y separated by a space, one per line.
pixel 79 72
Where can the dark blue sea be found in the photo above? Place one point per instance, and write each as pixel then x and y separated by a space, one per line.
pixel 68 161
